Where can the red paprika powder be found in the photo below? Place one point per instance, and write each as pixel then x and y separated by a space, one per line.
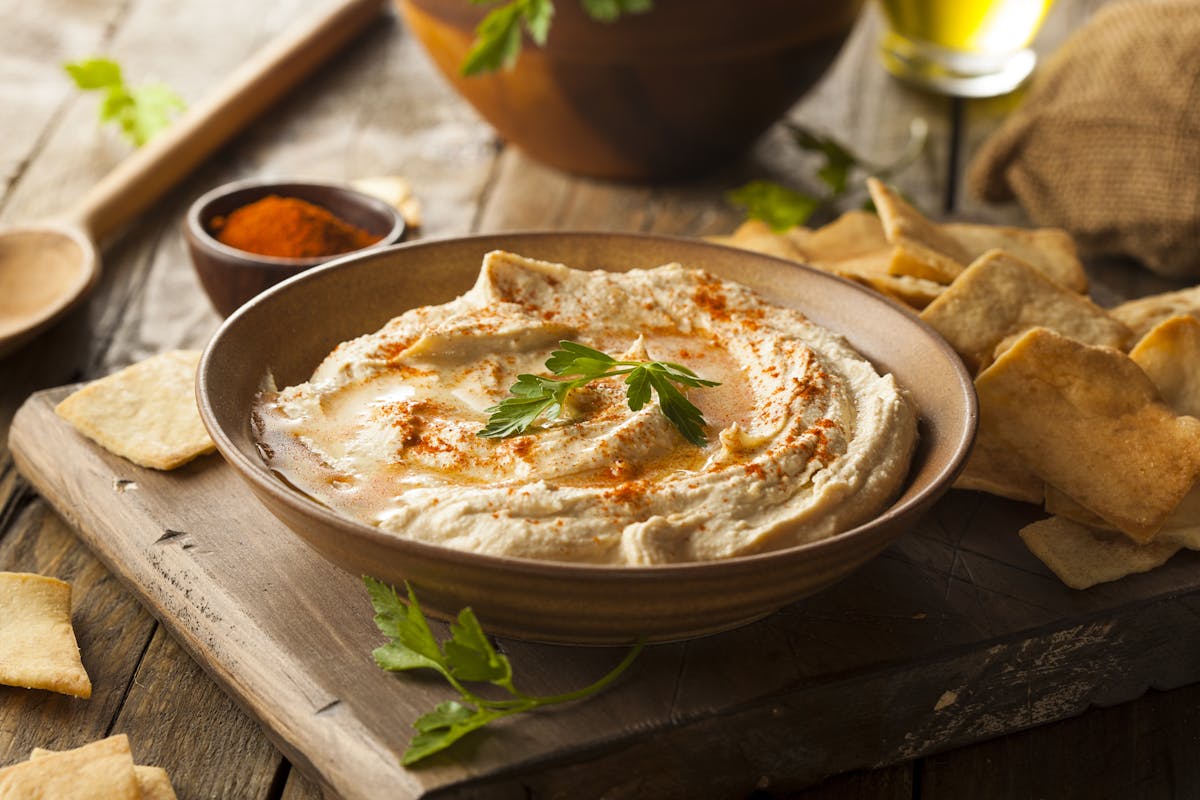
pixel 288 227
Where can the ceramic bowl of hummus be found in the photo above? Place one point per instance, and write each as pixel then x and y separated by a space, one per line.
pixel 737 433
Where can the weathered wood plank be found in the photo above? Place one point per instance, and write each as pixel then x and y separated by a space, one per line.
pixel 34 41
pixel 1135 750
pixel 178 719
pixel 299 787
pixel 886 783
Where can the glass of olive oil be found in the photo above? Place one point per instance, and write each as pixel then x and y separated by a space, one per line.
pixel 967 48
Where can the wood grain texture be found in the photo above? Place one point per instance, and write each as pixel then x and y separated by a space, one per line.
pixel 1135 750
pixel 162 726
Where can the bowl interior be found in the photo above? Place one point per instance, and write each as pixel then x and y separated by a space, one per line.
pixel 290 328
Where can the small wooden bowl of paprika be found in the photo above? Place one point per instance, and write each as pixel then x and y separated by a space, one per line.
pixel 247 236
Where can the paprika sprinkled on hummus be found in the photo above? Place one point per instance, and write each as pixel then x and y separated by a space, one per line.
pixel 805 438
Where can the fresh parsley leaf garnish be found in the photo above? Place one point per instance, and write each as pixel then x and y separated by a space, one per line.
pixel 782 208
pixel 609 10
pixel 466 657
pixel 498 37
pixel 533 396
pixel 141 112
pixel 774 204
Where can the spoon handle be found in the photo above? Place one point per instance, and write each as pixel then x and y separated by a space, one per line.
pixel 150 171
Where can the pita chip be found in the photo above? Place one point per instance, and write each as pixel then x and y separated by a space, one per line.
pixel 920 247
pixel 37 644
pixel 145 413
pixel 939 252
pixel 153 782
pixel 1051 251
pixel 994 467
pixel 1082 557
pixel 999 296
pixel 757 236
pixel 1144 313
pixel 1170 355
pixel 1087 420
pixel 101 770
pixel 916 293
pixel 396 192
pixel 1184 518
pixel 854 247
pixel 852 235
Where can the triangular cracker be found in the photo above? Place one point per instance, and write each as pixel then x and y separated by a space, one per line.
pixel 1051 251
pixel 1082 557
pixel 37 644
pixel 1170 355
pixel 146 412
pixel 101 770
pixel 999 296
pixel 921 248
pixel 1088 420
pixel 153 782
pixel 1144 313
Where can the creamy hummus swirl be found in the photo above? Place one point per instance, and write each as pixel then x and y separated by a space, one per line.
pixel 806 439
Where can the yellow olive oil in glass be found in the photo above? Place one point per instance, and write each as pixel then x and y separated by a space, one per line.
pixel 970 48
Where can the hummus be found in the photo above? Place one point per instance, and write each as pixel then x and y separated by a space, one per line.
pixel 805 438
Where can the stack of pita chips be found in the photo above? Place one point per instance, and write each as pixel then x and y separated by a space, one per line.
pixel 102 770
pixel 1090 412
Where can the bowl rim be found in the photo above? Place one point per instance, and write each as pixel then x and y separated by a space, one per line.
pixel 260 476
pixel 194 225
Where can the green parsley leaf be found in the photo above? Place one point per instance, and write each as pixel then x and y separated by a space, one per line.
pixel 95 73
pixel 498 37
pixel 638 393
pixel 413 645
pixel 469 657
pixel 782 208
pixel 685 416
pixel 610 10
pixel 444 726
pixel 776 205
pixel 140 112
pixel 532 395
pixel 154 106
pixel 472 655
pixel 578 359
pixel 835 172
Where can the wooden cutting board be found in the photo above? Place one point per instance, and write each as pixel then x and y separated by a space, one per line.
pixel 955 634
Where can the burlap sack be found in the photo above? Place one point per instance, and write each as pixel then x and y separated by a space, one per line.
pixel 1107 142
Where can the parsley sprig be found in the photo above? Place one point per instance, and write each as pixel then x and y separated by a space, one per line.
pixel 466 657
pixel 498 37
pixel 782 207
pixel 140 111
pixel 533 396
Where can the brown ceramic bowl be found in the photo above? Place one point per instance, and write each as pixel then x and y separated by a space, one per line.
pixel 230 276
pixel 663 94
pixel 287 330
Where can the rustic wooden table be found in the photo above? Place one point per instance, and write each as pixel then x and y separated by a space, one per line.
pixel 379 109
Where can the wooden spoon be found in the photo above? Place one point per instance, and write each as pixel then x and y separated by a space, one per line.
pixel 46 268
